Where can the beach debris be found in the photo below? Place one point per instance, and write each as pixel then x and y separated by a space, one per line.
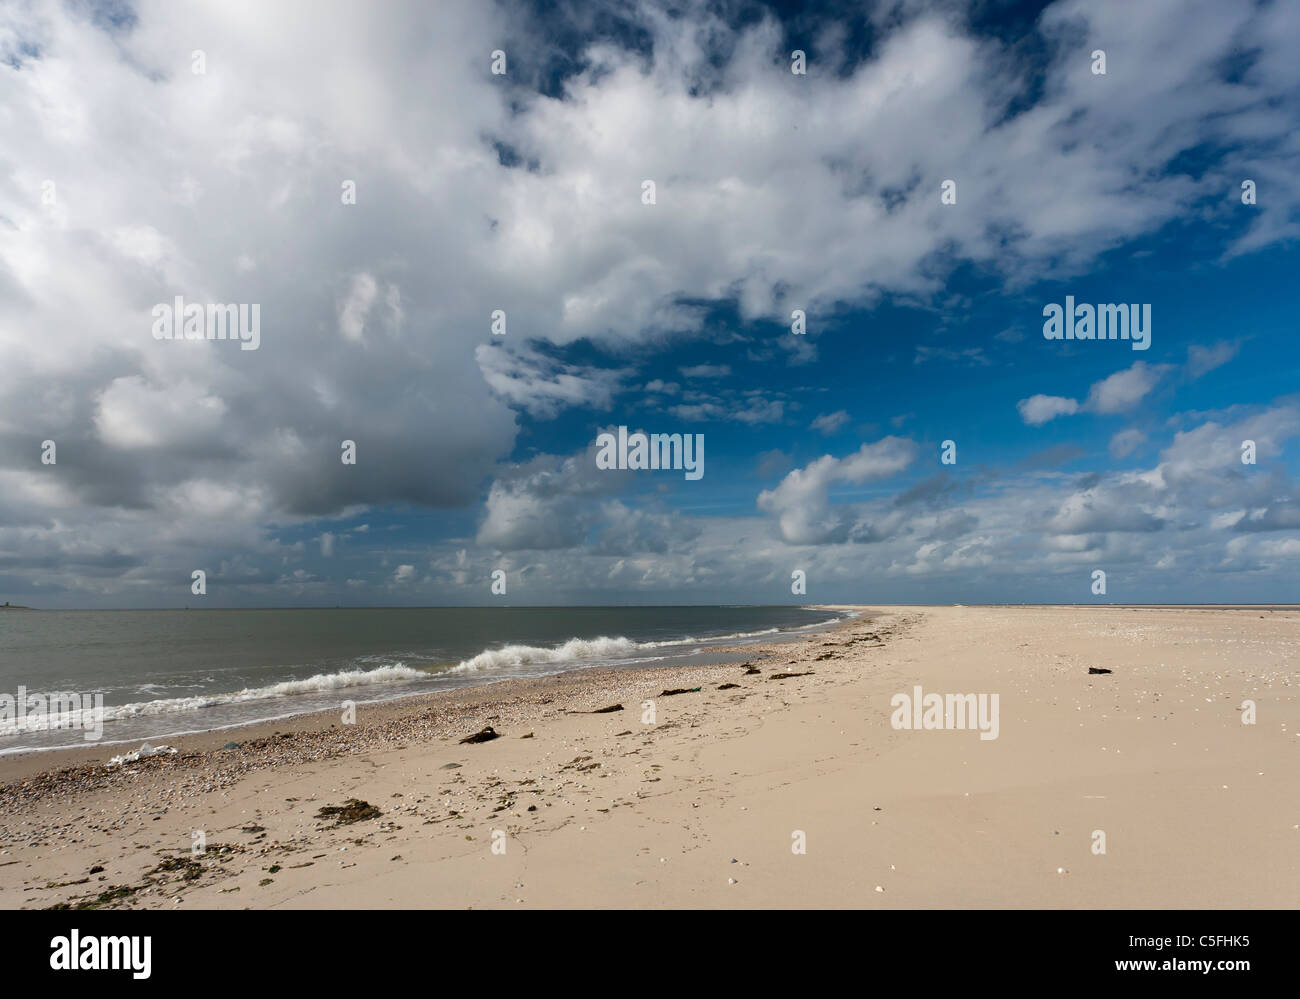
pixel 352 810
pixel 581 764
pixel 787 676
pixel 728 686
pixel 485 734
pixel 1098 669
pixel 188 868
pixel 115 893
pixel 732 881
pixel 605 711
pixel 143 753
pixel 231 745
pixel 752 670
pixel 680 690
pixel 450 766
pixel 527 735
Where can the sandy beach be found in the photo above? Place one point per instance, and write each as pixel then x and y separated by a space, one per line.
pixel 781 783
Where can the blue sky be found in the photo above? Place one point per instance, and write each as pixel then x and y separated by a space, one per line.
pixel 127 178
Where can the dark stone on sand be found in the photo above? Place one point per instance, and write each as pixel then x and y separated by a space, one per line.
pixel 728 686
pixel 752 671
pixel 1098 669
pixel 96 869
pixel 352 810
pixel 486 734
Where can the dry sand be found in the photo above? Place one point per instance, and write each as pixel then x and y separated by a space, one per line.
pixel 701 808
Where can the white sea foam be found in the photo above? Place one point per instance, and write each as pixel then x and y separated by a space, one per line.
pixel 691 640
pixel 574 650
pixel 587 649
pixel 319 683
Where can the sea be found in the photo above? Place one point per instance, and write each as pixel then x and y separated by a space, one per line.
pixel 163 673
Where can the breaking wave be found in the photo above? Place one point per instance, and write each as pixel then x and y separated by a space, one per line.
pixel 586 650
pixel 177 705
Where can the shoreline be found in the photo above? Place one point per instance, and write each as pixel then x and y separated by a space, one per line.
pixel 696 808
pixel 78 755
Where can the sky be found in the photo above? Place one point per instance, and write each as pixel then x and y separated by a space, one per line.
pixel 937 177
